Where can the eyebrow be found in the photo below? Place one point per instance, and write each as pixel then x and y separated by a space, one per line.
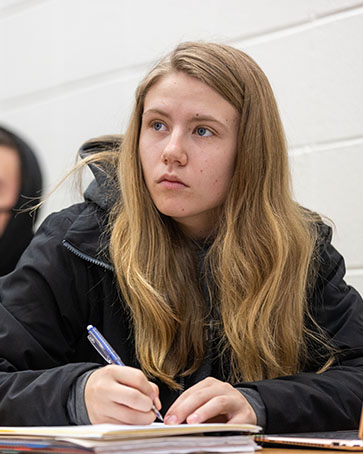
pixel 195 118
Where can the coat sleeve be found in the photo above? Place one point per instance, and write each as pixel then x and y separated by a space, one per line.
pixel 43 312
pixel 332 400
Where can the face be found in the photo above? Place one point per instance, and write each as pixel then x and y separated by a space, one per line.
pixel 188 147
pixel 9 183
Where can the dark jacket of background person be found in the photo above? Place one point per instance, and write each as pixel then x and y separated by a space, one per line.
pixel 19 230
pixel 64 281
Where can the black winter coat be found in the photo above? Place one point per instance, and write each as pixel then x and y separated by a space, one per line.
pixel 64 282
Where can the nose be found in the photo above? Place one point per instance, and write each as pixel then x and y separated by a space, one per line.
pixel 174 151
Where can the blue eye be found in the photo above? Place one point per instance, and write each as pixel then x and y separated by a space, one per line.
pixel 157 126
pixel 203 132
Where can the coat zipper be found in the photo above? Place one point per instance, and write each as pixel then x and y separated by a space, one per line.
pixel 86 257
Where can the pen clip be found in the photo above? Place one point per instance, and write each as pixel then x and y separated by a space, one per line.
pixel 99 349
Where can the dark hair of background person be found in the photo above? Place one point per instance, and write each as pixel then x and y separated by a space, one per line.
pixel 19 229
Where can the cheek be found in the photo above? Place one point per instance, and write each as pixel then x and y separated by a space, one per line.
pixel 9 194
pixel 149 151
pixel 217 177
pixel 141 152
pixel 146 160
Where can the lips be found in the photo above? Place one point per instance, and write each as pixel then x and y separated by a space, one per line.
pixel 172 180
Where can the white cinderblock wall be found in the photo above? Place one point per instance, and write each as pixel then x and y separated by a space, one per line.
pixel 69 69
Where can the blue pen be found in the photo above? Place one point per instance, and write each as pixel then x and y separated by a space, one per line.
pixel 108 353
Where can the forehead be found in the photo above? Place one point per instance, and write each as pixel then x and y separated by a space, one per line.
pixel 181 90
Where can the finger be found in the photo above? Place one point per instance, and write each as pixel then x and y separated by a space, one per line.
pixel 134 378
pixel 155 390
pixel 129 397
pixel 155 396
pixel 126 415
pixel 157 403
pixel 184 406
pixel 120 414
pixel 193 391
pixel 230 409
pixel 217 406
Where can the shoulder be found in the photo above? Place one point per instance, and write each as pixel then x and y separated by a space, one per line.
pixel 80 225
pixel 49 272
pixel 326 284
pixel 329 290
pixel 63 219
pixel 334 305
pixel 74 221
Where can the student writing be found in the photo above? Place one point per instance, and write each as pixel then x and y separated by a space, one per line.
pixel 223 296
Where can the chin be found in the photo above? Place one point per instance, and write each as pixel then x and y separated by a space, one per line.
pixel 172 213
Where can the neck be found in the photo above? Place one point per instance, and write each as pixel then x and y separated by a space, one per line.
pixel 198 228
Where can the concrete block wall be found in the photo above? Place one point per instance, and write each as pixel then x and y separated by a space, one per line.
pixel 69 69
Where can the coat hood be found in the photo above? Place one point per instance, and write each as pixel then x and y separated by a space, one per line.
pixel 88 233
pixel 104 190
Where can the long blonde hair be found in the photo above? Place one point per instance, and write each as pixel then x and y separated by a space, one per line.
pixel 258 262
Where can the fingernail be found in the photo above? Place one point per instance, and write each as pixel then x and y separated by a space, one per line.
pixel 193 419
pixel 172 419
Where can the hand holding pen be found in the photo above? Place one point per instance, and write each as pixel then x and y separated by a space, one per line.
pixel 117 395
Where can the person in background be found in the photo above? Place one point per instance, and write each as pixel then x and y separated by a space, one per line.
pixel 20 189
pixel 223 296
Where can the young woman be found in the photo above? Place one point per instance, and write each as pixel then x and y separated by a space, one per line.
pixel 224 298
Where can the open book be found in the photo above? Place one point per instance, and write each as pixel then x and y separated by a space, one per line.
pixel 109 438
